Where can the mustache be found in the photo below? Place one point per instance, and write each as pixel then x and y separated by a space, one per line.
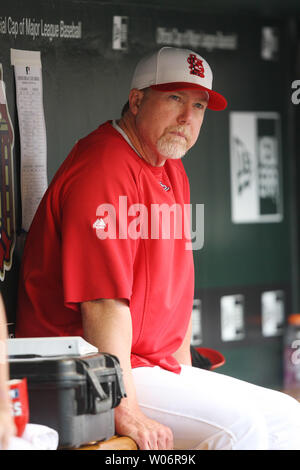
pixel 180 130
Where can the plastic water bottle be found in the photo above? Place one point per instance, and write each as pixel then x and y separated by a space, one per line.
pixel 292 352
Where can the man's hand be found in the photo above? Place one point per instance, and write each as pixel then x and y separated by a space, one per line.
pixel 7 426
pixel 147 433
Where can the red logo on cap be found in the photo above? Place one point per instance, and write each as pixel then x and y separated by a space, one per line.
pixel 196 65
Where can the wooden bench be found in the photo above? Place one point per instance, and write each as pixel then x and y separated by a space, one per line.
pixel 114 443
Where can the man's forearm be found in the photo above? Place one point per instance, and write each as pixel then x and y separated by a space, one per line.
pixel 107 325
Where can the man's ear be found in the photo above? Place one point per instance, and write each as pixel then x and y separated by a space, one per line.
pixel 135 99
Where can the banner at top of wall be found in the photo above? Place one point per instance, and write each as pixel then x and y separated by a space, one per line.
pixel 29 90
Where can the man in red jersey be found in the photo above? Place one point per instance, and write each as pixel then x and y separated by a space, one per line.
pixel 99 262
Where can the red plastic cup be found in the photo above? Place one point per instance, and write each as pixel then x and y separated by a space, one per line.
pixel 20 406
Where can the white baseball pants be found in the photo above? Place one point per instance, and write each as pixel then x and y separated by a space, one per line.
pixel 207 410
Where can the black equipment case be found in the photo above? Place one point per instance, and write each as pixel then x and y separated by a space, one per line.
pixel 75 395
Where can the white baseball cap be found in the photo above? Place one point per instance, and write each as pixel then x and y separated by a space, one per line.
pixel 171 69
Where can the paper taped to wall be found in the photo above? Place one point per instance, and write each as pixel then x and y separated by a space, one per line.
pixel 29 91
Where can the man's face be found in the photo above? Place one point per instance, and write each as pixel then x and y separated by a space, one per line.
pixel 168 123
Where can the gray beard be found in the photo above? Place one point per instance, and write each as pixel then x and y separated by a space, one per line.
pixel 174 148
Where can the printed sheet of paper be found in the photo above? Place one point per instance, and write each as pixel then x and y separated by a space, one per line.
pixel 29 90
pixel 256 175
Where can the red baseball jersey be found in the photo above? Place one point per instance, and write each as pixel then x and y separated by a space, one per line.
pixel 102 231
